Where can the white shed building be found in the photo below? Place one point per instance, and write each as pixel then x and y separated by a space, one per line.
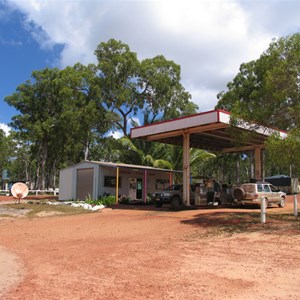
pixel 95 179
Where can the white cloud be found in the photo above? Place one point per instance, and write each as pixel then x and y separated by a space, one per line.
pixel 5 128
pixel 209 39
pixel 116 134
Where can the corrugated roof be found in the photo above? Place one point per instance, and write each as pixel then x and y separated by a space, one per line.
pixel 121 165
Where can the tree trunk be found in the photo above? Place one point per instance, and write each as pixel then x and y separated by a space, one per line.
pixel 37 177
pixel 86 150
pixel 53 183
pixel 43 159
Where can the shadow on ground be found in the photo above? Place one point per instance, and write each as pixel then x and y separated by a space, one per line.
pixel 245 222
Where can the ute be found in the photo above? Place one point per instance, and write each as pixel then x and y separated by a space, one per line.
pixel 173 195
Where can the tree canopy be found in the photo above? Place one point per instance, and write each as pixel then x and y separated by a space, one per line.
pixel 267 90
pixel 59 116
pixel 64 115
pixel 130 86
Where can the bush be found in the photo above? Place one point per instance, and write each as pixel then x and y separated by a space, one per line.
pixel 105 200
pixel 108 200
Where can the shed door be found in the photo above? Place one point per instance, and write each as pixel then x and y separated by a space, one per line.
pixel 84 184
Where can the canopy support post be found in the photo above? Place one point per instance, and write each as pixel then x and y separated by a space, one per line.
pixel 258 163
pixel 186 169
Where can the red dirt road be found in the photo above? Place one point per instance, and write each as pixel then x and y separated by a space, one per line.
pixel 144 253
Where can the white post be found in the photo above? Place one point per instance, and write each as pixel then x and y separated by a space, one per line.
pixel 263 210
pixel 295 205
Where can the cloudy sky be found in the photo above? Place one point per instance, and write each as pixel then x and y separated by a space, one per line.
pixel 209 39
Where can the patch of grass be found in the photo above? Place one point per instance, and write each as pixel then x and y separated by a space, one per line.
pixel 41 206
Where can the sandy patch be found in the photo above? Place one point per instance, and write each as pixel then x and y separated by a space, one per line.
pixel 49 213
pixel 11 271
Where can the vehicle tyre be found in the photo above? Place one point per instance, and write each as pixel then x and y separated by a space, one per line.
pixel 239 194
pixel 281 202
pixel 176 203
pixel 158 203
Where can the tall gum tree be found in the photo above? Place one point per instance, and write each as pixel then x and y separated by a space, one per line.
pixel 130 86
pixel 59 116
pixel 38 104
pixel 267 90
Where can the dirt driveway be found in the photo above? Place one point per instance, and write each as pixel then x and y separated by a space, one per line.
pixel 146 253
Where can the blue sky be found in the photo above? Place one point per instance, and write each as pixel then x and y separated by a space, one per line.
pixel 20 55
pixel 209 39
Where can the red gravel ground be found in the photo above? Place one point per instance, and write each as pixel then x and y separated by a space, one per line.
pixel 136 252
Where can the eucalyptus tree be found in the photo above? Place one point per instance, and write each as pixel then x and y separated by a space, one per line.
pixel 38 104
pixel 130 86
pixel 83 112
pixel 267 90
pixel 59 115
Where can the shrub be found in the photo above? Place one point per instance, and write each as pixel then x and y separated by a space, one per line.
pixel 105 200
pixel 108 200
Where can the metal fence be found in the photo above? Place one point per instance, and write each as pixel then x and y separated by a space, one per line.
pixel 53 192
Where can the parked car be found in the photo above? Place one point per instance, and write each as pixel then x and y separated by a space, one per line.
pixel 255 193
pixel 173 195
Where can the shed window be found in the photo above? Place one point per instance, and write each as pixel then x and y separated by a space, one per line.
pixel 110 181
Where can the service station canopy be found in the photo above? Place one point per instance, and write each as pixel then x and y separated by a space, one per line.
pixel 208 131
pixel 212 131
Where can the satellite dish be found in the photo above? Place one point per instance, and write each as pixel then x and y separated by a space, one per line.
pixel 19 190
